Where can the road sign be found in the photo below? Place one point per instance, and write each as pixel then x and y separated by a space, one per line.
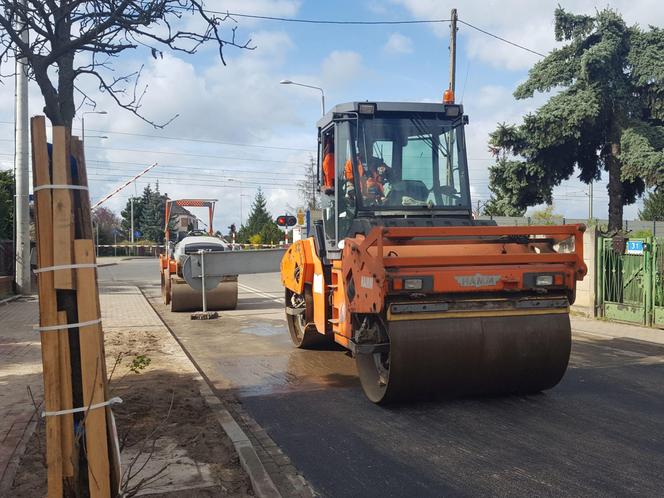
pixel 634 247
pixel 137 234
pixel 300 217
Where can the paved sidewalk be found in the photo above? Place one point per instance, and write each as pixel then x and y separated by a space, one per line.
pixel 607 329
pixel 131 327
pixel 20 368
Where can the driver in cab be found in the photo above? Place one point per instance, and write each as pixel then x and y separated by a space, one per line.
pixel 374 180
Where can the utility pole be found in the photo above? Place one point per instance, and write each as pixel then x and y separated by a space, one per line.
pixel 131 201
pixel 21 169
pixel 453 36
pixel 590 201
pixel 448 95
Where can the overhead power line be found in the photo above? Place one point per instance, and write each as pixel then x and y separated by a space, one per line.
pixel 330 21
pixel 201 140
pixel 187 139
pixel 505 40
pixel 373 23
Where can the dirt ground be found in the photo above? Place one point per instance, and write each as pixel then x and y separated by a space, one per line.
pixel 171 443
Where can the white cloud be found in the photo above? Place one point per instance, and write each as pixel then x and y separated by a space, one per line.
pixel 524 22
pixel 341 68
pixel 398 44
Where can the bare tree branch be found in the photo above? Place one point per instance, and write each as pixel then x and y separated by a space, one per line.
pixel 76 38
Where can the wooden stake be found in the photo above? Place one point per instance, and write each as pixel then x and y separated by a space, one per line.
pixel 48 315
pixel 66 401
pixel 92 371
pixel 63 216
pixel 84 227
pixel 84 219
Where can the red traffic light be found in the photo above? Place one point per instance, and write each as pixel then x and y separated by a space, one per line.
pixel 286 221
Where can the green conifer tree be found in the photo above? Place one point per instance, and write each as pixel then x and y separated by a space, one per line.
pixel 260 223
pixel 653 207
pixel 607 114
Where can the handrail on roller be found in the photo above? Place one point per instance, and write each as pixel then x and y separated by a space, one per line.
pixel 382 236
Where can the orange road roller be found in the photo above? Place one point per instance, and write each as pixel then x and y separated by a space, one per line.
pixel 428 300
pixel 221 291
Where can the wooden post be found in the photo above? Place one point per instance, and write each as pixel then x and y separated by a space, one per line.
pixel 48 315
pixel 92 371
pixel 66 400
pixel 63 216
pixel 84 227
pixel 84 218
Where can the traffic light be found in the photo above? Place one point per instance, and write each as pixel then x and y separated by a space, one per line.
pixel 286 221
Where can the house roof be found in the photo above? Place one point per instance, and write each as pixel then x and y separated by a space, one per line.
pixel 179 211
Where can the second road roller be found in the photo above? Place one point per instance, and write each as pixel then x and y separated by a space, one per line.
pixel 221 292
pixel 428 300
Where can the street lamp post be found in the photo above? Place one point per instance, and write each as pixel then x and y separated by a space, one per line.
pixel 322 93
pixel 83 122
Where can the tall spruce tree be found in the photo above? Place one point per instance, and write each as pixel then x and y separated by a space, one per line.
pixel 152 214
pixel 607 113
pixel 260 223
pixel 126 215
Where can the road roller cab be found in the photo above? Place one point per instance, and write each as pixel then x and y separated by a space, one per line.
pixel 428 300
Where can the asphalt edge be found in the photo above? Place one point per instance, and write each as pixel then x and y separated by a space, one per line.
pixel 261 481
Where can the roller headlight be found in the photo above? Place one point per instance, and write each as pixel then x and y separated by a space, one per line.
pixel 543 280
pixel 412 284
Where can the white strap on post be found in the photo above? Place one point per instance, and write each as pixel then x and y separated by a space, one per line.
pixel 65 267
pixel 59 186
pixel 111 401
pixel 66 326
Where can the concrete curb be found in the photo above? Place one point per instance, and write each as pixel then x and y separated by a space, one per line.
pixel 104 265
pixel 261 481
pixel 9 299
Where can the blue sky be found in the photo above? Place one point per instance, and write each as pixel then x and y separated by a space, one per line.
pixel 272 126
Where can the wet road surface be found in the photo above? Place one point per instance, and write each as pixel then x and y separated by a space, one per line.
pixel 599 433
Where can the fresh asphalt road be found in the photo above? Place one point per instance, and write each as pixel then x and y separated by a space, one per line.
pixel 599 433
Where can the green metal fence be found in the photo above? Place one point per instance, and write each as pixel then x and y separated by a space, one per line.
pixel 631 282
pixel 658 283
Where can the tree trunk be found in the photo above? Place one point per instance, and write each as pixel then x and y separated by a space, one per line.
pixel 66 78
pixel 615 188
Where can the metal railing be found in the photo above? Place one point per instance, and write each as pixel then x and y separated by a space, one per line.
pixel 630 283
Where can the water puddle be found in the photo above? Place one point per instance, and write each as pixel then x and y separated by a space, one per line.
pixel 262 329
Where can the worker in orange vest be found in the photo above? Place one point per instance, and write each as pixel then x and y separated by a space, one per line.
pixel 328 166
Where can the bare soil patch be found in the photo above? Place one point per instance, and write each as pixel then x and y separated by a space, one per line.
pixel 165 427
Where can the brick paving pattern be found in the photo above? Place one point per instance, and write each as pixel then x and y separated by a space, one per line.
pixel 20 368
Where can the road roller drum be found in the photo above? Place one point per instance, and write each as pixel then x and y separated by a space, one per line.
pixel 184 298
pixel 454 357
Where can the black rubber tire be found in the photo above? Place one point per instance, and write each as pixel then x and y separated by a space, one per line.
pixel 166 287
pixel 303 332
pixel 374 373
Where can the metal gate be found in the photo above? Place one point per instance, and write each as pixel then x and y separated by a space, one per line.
pixel 631 281
pixel 658 283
